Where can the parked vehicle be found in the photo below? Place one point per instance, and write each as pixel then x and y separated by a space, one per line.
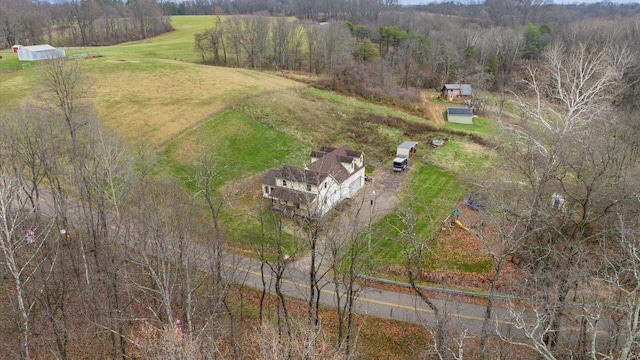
pixel 405 151
pixel 400 163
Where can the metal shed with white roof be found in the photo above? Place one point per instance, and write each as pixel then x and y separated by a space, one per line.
pixel 39 52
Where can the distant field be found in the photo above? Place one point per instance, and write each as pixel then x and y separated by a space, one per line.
pixel 145 95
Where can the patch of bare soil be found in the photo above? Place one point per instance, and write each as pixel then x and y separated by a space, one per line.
pixel 432 110
pixel 243 193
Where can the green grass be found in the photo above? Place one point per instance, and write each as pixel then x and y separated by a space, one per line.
pixel 241 145
pixel 461 158
pixel 481 126
pixel 152 92
pixel 431 194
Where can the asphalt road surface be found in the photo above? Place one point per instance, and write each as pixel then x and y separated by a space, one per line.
pixel 372 301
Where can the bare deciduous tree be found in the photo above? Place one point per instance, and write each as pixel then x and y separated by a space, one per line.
pixel 565 167
pixel 414 250
pixel 66 93
pixel 20 245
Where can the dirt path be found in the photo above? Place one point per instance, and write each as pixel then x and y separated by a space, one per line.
pixel 433 110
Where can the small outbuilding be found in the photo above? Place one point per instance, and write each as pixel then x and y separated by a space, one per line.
pixel 460 115
pixel 451 92
pixel 407 148
pixel 39 52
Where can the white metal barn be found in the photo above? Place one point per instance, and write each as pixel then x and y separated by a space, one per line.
pixel 39 52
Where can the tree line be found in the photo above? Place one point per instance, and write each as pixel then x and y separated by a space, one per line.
pixel 80 23
pixel 302 9
pixel 390 59
pixel 487 13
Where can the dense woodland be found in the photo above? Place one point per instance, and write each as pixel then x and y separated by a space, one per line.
pixel 79 23
pixel 392 55
pixel 572 74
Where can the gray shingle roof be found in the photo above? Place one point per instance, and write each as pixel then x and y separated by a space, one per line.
pixel 460 111
pixel 299 197
pixel 302 175
pixel 331 162
pixel 465 89
pixel 270 177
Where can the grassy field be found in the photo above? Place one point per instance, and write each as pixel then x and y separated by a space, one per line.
pixel 152 92
pixel 431 194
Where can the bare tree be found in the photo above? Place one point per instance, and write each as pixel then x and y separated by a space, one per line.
pixel 410 58
pixel 207 182
pixel 210 42
pixel 156 245
pixel 253 39
pixel 502 231
pixel 86 13
pixel 66 93
pixel 274 259
pixel 564 167
pixel 346 241
pixel 620 250
pixel 286 42
pixel 20 23
pixel 20 252
pixel 414 250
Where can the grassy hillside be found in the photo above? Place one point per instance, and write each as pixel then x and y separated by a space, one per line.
pixel 142 92
pixel 153 92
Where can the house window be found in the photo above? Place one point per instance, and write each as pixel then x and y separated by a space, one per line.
pixel 308 187
pixel 284 182
pixel 352 165
pixel 325 184
pixel 266 189
pixel 296 205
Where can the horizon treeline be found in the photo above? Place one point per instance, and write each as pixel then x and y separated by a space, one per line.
pixel 80 23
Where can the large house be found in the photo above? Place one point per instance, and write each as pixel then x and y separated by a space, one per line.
pixel 333 175
pixel 452 92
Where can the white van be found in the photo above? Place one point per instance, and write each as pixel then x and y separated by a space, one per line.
pixel 400 163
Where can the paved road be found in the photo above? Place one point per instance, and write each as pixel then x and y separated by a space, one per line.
pixel 372 301
pixel 397 305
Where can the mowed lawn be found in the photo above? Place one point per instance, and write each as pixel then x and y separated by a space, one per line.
pixel 239 145
pixel 431 194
